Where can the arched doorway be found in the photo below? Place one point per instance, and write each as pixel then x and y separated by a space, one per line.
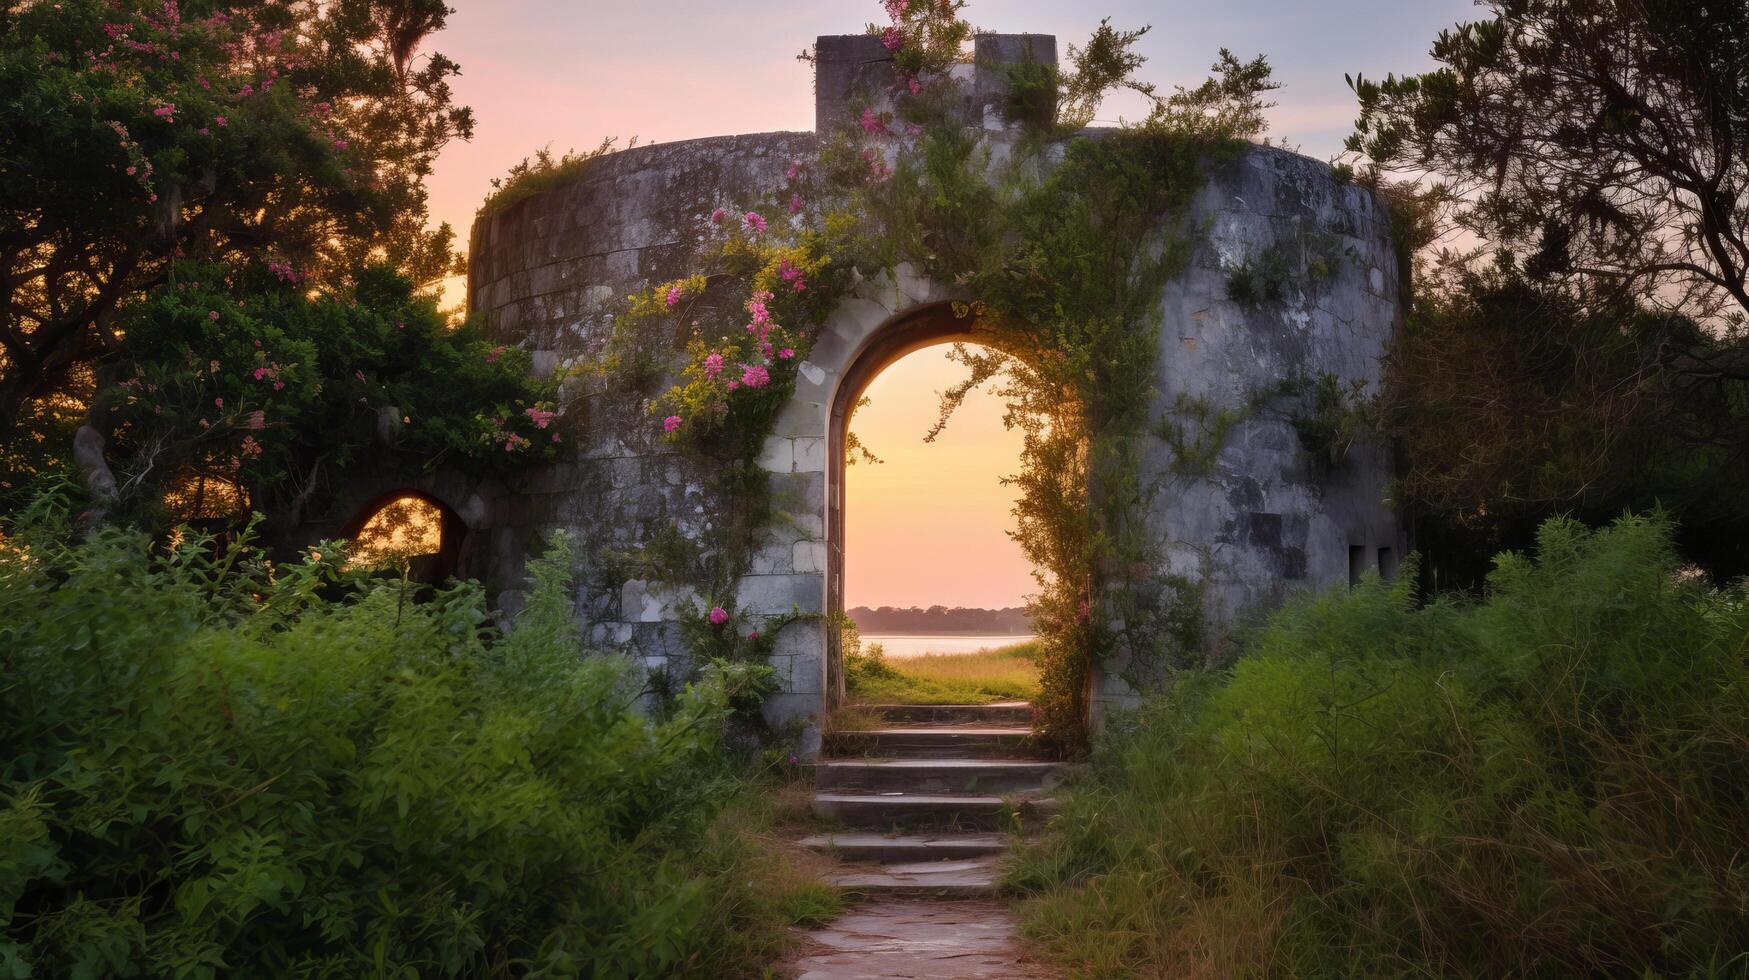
pixel 928 326
pixel 407 530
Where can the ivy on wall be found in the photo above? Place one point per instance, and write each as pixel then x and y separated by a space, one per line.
pixel 1061 243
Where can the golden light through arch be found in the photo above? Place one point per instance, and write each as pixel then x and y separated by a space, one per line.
pixel 406 527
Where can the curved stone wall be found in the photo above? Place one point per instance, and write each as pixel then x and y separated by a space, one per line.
pixel 1263 520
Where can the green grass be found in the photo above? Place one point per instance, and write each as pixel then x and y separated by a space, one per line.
pixel 1007 673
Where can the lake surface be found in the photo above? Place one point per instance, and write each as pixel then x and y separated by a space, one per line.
pixel 914 645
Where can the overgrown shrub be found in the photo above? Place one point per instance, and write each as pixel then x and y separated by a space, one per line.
pixel 213 766
pixel 1548 782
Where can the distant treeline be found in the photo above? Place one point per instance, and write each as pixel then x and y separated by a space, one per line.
pixel 940 619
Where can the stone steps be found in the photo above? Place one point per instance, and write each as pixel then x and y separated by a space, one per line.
pixel 932 742
pixel 970 878
pixel 983 776
pixel 885 811
pixel 920 796
pixel 867 847
pixel 1017 714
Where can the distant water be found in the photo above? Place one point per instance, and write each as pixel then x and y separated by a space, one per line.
pixel 911 645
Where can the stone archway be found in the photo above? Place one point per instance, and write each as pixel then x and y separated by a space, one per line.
pixel 923 327
pixel 884 318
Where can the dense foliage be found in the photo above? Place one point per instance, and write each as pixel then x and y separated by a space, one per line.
pixel 1585 348
pixel 213 766
pixel 1511 401
pixel 139 132
pixel 242 379
pixel 1548 782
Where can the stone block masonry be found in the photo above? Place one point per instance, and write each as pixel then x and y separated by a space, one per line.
pixel 1261 520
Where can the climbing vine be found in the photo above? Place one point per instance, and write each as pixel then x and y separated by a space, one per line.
pixel 1060 245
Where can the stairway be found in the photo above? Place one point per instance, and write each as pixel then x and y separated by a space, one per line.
pixel 928 799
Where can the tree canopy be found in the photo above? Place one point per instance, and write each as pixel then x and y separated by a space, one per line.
pixel 140 132
pixel 1578 343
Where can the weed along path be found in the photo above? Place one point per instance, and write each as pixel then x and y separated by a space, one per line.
pixel 926 801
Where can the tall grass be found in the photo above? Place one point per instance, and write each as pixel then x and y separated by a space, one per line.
pixel 1007 673
pixel 1553 781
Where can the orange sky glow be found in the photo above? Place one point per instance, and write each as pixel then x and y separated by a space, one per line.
pixel 928 525
pixel 566 73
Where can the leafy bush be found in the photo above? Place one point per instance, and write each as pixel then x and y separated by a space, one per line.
pixel 209 766
pixel 1545 783
pixel 238 374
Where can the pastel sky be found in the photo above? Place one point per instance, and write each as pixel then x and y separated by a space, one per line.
pixel 930 525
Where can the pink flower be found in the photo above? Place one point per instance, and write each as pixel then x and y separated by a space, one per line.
pixel 166 112
pixel 754 221
pixel 357 374
pixel 540 417
pixel 495 353
pixel 794 171
pixel 755 376
pixel 713 365
pixel 718 215
pixel 795 203
pixel 258 419
pixel 131 171
pixel 916 86
pixel 278 385
pixel 872 123
pixel 220 402
pixel 671 423
pixel 892 38
pixel 340 144
pixel 674 295
pixel 719 615
pixel 212 314
pixel 555 437
pixel 786 353
pixel 733 385
pixel 753 635
pixel 221 121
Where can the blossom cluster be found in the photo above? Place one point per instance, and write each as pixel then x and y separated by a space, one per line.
pixel 737 362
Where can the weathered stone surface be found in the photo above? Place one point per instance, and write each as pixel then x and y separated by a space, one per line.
pixel 964 940
pixel 549 272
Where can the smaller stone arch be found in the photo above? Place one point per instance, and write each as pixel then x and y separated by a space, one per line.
pixel 474 511
pixel 413 516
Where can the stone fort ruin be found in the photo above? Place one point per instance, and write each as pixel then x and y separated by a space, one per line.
pixel 1265 517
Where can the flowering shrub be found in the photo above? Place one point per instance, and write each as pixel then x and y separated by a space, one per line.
pixel 234 373
pixel 739 371
pixel 141 132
